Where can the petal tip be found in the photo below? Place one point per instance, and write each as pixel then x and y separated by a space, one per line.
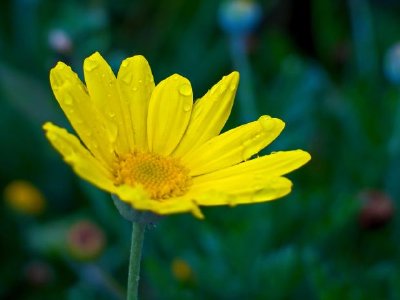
pixel 59 66
pixel 306 155
pixel 47 126
pixel 135 59
pixel 235 75
pixel 268 123
pixel 138 58
pixel 197 212
pixel 92 61
pixel 59 73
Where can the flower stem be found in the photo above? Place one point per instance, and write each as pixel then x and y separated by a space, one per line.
pixel 134 260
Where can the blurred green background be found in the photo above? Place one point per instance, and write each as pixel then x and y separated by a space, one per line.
pixel 329 69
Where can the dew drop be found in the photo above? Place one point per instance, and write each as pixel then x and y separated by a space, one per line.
pixel 187 106
pixel 68 100
pixel 112 132
pixel 185 90
pixel 90 65
pixel 111 114
pixel 127 78
pixel 125 63
pixel 135 88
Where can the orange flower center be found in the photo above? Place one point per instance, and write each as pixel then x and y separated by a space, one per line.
pixel 162 177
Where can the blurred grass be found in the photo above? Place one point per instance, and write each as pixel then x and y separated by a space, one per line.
pixel 308 68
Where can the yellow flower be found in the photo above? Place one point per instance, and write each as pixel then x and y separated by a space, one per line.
pixel 156 149
pixel 24 197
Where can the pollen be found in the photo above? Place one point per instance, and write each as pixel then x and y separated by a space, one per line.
pixel 162 177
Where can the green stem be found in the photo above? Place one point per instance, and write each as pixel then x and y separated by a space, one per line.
pixel 134 260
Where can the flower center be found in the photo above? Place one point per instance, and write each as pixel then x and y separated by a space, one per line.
pixel 162 177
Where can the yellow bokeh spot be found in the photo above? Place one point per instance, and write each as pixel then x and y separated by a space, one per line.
pixel 181 269
pixel 162 177
pixel 24 197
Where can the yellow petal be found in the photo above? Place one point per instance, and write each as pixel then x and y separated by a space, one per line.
pixel 169 113
pixel 139 199
pixel 85 119
pixel 272 165
pixel 238 190
pixel 103 90
pixel 209 114
pixel 233 146
pixel 136 83
pixel 80 159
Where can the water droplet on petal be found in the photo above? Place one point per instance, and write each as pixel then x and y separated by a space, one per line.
pixel 112 132
pixel 90 65
pixel 187 106
pixel 127 78
pixel 68 100
pixel 125 63
pixel 185 90
pixel 111 114
pixel 266 123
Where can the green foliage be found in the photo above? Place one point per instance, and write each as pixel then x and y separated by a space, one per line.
pixel 319 67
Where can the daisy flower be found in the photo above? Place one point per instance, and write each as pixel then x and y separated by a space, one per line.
pixel 159 151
